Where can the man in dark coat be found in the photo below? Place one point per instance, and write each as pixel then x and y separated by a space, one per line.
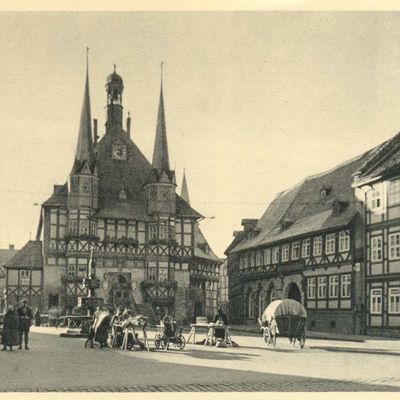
pixel 25 320
pixel 10 335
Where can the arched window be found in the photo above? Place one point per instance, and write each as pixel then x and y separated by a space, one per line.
pixel 251 304
pixel 262 301
pixel 273 295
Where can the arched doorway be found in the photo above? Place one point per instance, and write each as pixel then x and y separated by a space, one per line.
pixel 120 294
pixel 251 303
pixel 294 292
pixel 272 294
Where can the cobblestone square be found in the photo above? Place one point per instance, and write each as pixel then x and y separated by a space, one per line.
pixel 63 364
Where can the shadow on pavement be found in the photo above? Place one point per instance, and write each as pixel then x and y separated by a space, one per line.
pixel 356 350
pixel 213 354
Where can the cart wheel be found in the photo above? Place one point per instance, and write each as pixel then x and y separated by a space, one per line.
pixel 165 343
pixel 157 341
pixel 266 336
pixel 182 342
pixel 273 340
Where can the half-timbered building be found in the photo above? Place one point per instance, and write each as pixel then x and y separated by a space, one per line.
pixel 24 275
pixel 148 249
pixel 377 185
pixel 307 246
pixel 5 255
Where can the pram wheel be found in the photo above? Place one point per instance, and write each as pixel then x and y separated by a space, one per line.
pixel 182 342
pixel 165 343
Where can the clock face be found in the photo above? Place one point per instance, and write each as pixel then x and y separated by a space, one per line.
pixel 119 152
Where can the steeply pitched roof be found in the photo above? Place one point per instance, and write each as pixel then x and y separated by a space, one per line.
pixel 383 161
pixel 59 196
pixel 29 257
pixel 201 246
pixel 130 175
pixel 5 255
pixel 184 189
pixel 160 154
pixel 304 210
pixel 117 209
pixel 183 209
pixel 84 149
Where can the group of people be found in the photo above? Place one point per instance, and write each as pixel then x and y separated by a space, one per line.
pixel 16 326
pixel 103 321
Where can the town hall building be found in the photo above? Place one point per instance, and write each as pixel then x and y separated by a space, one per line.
pixel 148 250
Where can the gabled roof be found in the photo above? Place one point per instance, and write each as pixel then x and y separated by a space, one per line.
pixel 183 209
pixel 384 161
pixel 131 175
pixel 59 196
pixel 201 246
pixel 29 257
pixel 304 207
pixel 5 255
pixel 117 209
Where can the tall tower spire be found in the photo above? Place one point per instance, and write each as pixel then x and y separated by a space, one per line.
pixel 83 180
pixel 184 189
pixel 85 144
pixel 160 154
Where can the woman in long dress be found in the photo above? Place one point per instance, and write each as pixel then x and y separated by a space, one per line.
pixel 10 335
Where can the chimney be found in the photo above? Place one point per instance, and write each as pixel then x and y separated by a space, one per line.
pixel 57 188
pixel 249 224
pixel 11 247
pixel 128 124
pixel 95 131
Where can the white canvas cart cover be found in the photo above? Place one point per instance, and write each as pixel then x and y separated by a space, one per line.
pixel 283 307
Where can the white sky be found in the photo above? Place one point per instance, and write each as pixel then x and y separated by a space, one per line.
pixel 255 102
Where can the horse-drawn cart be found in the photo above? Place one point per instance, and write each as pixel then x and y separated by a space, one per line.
pixel 285 318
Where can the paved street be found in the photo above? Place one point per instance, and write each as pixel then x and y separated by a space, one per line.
pixel 63 364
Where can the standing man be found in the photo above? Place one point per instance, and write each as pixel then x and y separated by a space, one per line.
pixel 25 320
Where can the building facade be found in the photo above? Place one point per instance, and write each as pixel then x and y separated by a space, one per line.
pixel 5 255
pixel 307 246
pixel 377 184
pixel 147 247
pixel 24 275
pixel 223 292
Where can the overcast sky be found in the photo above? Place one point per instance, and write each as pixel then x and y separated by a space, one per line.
pixel 255 102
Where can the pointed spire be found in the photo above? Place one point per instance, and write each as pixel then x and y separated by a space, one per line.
pixel 85 144
pixel 184 189
pixel 160 154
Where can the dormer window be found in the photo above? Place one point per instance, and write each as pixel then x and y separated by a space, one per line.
pixel 122 195
pixel 325 191
pixel 339 206
pixel 285 224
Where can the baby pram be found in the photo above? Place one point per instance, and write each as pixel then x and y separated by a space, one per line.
pixel 169 333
